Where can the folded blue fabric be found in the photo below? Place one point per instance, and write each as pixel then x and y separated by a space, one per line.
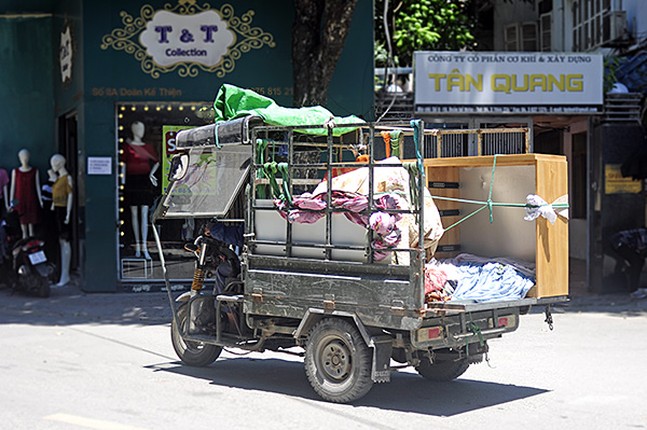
pixel 490 282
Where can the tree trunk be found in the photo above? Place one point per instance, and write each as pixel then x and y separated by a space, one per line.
pixel 318 35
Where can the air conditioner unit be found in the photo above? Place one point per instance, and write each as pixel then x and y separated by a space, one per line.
pixel 614 26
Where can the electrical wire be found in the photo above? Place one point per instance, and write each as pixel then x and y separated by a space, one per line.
pixel 389 58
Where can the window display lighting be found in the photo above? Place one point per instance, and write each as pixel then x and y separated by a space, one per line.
pixel 160 118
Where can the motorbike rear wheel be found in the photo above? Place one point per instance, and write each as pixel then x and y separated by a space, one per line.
pixel 443 371
pixel 44 289
pixel 338 361
pixel 195 354
pixel 34 285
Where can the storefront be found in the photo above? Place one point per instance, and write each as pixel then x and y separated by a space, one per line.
pixel 119 79
pixel 557 96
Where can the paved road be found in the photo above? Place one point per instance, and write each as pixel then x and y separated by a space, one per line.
pixel 78 361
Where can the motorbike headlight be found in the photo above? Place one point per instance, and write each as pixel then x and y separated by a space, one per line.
pixel 22 270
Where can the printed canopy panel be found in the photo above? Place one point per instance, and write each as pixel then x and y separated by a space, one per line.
pixel 213 179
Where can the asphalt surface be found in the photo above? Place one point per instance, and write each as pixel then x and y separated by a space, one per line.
pixel 104 361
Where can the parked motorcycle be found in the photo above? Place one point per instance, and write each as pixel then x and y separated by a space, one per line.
pixel 32 271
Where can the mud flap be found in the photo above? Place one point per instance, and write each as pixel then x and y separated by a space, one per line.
pixel 202 315
pixel 382 349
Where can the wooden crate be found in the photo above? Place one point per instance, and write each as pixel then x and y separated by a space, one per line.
pixel 509 235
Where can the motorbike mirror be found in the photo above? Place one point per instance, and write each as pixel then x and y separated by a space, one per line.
pixel 179 167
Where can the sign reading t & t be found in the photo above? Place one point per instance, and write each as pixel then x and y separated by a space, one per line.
pixel 187 37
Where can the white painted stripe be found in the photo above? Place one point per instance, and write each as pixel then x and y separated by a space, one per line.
pixel 89 422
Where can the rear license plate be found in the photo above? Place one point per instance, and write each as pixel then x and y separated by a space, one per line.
pixel 37 257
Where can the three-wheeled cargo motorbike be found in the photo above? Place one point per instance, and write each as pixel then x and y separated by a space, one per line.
pixel 309 248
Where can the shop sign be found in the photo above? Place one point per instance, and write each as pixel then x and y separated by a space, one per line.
pixel 508 82
pixel 65 55
pixel 187 38
pixel 615 183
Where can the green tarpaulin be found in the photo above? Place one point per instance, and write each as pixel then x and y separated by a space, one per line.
pixel 233 102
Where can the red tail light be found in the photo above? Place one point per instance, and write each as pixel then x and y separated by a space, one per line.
pixel 32 244
pixel 430 333
pixel 509 321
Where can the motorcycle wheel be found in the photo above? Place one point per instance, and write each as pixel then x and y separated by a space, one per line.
pixel 43 288
pixel 443 371
pixel 195 354
pixel 338 361
pixel 33 285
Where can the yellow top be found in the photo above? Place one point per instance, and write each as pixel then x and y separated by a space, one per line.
pixel 60 190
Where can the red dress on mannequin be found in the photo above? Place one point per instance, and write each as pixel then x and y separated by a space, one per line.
pixel 27 200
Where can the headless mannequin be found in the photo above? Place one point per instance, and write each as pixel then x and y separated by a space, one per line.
pixel 23 156
pixel 140 231
pixel 58 166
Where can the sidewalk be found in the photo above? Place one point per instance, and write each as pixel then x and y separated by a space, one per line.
pixel 69 305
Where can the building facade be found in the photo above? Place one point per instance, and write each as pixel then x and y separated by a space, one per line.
pixel 549 42
pixel 94 79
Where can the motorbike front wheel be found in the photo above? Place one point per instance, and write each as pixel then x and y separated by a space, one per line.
pixel 195 354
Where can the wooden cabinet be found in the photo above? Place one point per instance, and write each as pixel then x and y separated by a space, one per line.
pixel 509 235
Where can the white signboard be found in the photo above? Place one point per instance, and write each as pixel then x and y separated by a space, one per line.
pixel 99 165
pixel 187 37
pixel 508 82
pixel 65 55
pixel 172 38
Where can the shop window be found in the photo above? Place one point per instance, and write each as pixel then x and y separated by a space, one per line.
pixel 521 36
pixel 545 28
pixel 145 143
pixel 595 24
pixel 509 140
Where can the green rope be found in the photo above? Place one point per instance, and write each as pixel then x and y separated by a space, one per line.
pixel 465 218
pixel 417 172
pixel 283 170
pixel 261 144
pixel 490 205
pixel 489 197
pixel 413 185
pixel 415 123
pixel 475 329
pixel 396 136
pixel 495 204
pixel 269 170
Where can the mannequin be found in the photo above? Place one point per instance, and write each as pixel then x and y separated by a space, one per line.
pixel 62 199
pixel 25 195
pixel 48 226
pixel 141 164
